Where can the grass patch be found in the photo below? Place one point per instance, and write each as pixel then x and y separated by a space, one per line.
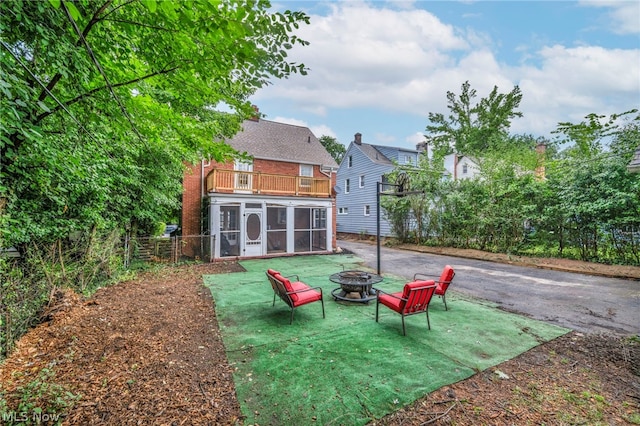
pixel 348 369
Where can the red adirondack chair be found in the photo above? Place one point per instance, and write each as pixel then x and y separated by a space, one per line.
pixel 413 299
pixel 443 282
pixel 294 294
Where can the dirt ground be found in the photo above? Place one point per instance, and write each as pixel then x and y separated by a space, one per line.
pixel 148 351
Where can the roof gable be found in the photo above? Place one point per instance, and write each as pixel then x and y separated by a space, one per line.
pixel 270 140
pixel 373 154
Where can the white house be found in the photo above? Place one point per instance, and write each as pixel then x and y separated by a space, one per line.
pixel 460 167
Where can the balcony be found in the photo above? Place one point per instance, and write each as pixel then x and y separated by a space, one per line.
pixel 232 181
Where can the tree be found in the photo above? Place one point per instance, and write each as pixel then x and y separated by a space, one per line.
pixel 589 137
pixel 472 128
pixel 333 147
pixel 103 101
pixel 627 139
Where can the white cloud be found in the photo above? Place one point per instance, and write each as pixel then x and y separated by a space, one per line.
pixel 624 15
pixel 574 82
pixel 317 130
pixel 415 138
pixel 322 130
pixel 404 61
pixel 287 120
pixel 361 55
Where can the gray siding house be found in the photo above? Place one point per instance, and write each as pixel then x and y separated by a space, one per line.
pixel 356 188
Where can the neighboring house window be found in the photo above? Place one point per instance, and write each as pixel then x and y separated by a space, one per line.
pixel 343 210
pixel 464 169
pixel 408 159
pixel 350 161
pixel 306 170
pixel 367 210
pixel 347 186
pixel 362 181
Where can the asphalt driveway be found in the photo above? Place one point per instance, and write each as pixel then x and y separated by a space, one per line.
pixel 584 303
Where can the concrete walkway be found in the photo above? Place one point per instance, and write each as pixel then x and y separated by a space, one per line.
pixel 584 303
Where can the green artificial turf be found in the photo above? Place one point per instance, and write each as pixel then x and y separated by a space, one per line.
pixel 347 369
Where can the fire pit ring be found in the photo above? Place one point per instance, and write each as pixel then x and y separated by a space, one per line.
pixel 355 285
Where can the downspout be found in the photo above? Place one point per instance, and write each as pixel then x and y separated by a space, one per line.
pixel 334 202
pixel 327 174
pixel 200 213
pixel 201 193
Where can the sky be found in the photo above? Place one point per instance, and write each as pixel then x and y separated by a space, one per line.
pixel 380 67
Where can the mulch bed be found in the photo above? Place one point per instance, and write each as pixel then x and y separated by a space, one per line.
pixel 148 351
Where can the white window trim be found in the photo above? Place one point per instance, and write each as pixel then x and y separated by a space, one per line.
pixel 308 168
pixel 361 181
pixel 308 173
pixel 367 207
pixel 347 186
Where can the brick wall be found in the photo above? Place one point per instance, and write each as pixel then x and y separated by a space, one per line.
pixel 276 167
pixel 192 190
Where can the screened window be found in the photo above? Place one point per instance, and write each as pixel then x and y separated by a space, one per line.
pixel 229 231
pixel 367 210
pixel 361 181
pixel 310 229
pixel 347 186
pixel 276 229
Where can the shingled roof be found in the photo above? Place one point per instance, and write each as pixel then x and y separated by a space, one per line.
pixel 270 140
pixel 373 154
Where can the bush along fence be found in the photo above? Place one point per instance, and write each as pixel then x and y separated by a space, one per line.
pixel 32 281
pixel 589 212
pixel 29 284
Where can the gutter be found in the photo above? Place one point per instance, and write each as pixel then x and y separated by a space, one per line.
pixel 327 171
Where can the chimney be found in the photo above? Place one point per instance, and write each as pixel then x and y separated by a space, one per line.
pixel 541 148
pixel 358 140
pixel 423 149
pixel 256 115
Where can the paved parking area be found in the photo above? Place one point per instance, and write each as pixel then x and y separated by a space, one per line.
pixel 589 304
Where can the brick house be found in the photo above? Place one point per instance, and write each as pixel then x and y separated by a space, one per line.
pixel 280 202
